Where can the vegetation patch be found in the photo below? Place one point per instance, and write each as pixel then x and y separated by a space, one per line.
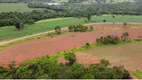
pixel 48 20
pixel 138 74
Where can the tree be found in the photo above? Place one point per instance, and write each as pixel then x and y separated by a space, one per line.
pixel 89 17
pixel 76 71
pixel 58 29
pixel 113 19
pixel 91 28
pixel 71 58
pixel 70 28
pixel 125 36
pixel 124 25
pixel 19 25
pixel 104 22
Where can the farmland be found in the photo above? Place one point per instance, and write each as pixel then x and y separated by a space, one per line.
pixel 19 7
pixel 128 55
pixel 10 32
pixel 80 39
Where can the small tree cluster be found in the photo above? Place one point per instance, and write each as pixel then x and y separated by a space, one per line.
pixel 19 25
pixel 91 28
pixel 110 39
pixel 124 25
pixel 78 28
pixel 71 58
pixel 57 29
pixel 125 36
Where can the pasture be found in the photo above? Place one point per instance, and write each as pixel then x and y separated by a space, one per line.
pixel 19 7
pixel 10 32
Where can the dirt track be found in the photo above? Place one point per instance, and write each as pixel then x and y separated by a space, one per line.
pixel 33 49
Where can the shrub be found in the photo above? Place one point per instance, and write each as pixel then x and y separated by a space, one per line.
pixel 97 40
pixel 114 39
pixel 19 25
pixel 124 25
pixel 125 36
pixel 70 28
pixel 106 40
pixel 87 44
pixel 102 39
pixel 104 20
pixel 58 29
pixel 91 28
pixel 71 58
pixel 12 65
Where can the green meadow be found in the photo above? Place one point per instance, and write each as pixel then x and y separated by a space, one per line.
pixel 20 7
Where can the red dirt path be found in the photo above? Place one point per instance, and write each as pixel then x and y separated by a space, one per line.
pixel 38 48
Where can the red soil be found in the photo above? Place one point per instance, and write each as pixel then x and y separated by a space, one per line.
pixel 38 48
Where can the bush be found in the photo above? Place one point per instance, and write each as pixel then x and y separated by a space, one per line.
pixel 91 28
pixel 97 40
pixel 87 44
pixel 71 58
pixel 102 39
pixel 125 36
pixel 106 40
pixel 19 25
pixel 12 65
pixel 70 28
pixel 58 29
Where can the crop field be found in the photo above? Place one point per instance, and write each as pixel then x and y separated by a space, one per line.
pixel 20 7
pixel 10 32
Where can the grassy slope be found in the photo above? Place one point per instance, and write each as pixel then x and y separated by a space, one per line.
pixel 11 33
pixel 20 7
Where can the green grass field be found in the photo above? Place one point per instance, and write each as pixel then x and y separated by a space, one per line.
pixel 117 18
pixel 10 32
pixel 20 7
